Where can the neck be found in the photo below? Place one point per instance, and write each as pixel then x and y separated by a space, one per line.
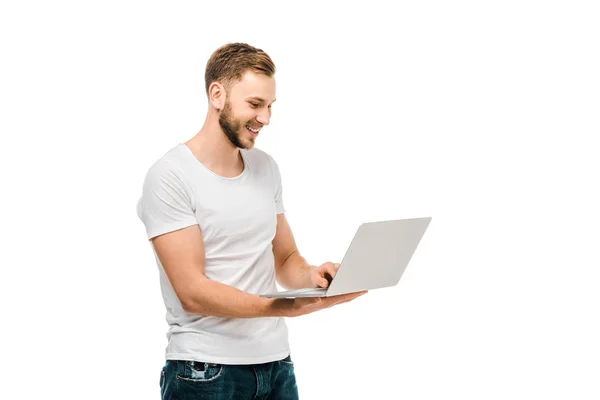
pixel 212 148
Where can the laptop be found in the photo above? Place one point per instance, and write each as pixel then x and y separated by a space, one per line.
pixel 376 258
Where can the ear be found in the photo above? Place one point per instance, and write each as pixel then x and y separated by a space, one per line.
pixel 217 95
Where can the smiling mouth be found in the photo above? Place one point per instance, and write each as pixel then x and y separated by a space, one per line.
pixel 253 131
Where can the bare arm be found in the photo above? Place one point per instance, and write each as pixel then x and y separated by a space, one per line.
pixel 291 269
pixel 181 254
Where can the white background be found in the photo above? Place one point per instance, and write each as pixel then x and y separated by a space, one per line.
pixel 482 115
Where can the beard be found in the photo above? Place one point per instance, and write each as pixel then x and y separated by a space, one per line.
pixel 231 126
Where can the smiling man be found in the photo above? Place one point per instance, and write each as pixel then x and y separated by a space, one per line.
pixel 213 211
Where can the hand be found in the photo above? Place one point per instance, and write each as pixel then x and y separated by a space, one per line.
pixel 306 305
pixel 322 275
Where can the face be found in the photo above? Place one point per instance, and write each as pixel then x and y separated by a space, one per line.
pixel 247 109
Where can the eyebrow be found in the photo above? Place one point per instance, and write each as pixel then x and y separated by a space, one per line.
pixel 259 99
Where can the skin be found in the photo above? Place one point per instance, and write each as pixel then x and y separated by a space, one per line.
pixel 246 102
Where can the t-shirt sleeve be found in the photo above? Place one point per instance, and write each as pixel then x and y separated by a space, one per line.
pixel 278 188
pixel 166 204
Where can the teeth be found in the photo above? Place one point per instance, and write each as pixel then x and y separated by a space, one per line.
pixel 253 130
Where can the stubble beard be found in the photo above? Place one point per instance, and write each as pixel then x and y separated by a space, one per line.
pixel 231 126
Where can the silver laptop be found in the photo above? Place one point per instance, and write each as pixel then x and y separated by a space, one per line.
pixel 376 258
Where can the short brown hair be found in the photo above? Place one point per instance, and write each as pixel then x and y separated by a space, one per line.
pixel 229 62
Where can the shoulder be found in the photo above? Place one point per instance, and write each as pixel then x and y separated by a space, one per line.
pixel 170 165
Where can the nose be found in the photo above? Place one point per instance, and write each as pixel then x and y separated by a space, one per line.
pixel 264 117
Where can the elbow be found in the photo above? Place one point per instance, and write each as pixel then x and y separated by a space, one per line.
pixel 190 302
pixel 189 298
pixel 188 305
pixel 195 307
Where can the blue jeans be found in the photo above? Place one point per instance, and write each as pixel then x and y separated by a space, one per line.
pixel 182 380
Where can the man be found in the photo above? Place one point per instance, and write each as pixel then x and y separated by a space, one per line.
pixel 214 213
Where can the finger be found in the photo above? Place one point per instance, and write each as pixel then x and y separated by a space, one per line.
pixel 346 299
pixel 329 272
pixel 343 298
pixel 317 277
pixel 323 282
pixel 350 295
pixel 332 268
pixel 335 303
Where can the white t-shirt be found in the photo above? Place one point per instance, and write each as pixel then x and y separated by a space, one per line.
pixel 237 218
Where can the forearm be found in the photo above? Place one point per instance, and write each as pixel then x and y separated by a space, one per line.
pixel 295 273
pixel 220 300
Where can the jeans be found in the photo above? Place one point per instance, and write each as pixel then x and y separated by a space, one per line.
pixel 183 380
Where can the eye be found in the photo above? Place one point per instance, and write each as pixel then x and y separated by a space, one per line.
pixel 254 105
